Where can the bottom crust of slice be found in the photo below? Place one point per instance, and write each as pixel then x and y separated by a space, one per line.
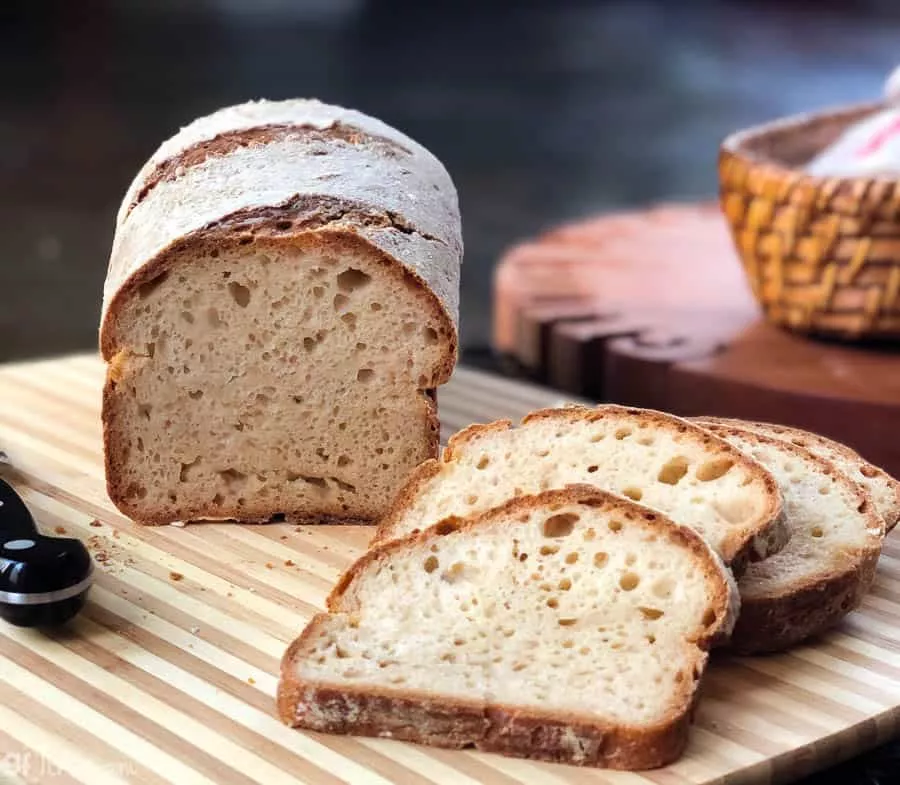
pixel 406 715
pixel 770 625
pixel 459 725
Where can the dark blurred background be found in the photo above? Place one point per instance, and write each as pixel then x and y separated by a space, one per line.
pixel 542 111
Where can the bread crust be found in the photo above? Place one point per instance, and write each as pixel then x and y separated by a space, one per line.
pixel 778 621
pixel 812 441
pixel 440 720
pixel 740 547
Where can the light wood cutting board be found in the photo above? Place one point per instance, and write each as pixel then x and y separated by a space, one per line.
pixel 169 674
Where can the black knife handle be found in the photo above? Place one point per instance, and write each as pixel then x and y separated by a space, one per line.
pixel 15 519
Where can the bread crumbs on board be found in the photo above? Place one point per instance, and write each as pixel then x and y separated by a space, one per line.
pixel 251 680
pixel 289 563
pixel 60 530
pixel 176 576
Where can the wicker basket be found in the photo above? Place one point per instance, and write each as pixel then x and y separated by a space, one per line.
pixel 822 254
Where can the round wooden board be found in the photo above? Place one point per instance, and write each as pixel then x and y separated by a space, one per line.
pixel 652 309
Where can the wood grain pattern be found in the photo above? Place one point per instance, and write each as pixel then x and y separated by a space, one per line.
pixel 170 673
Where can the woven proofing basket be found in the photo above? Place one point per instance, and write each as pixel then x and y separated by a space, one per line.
pixel 821 254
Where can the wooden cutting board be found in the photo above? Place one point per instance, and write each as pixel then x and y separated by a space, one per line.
pixel 169 674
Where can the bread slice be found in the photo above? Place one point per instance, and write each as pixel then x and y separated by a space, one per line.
pixel 884 489
pixel 281 303
pixel 655 458
pixel 569 626
pixel 829 564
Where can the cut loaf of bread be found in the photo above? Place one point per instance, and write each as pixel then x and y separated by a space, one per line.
pixel 569 626
pixel 827 567
pixel 884 489
pixel 280 304
pixel 676 467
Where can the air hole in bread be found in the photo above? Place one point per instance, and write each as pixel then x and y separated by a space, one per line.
pixel 187 316
pixel 817 531
pixel 431 336
pixel 597 437
pixel 615 526
pixel 431 564
pixel 195 395
pixel 365 375
pixel 549 550
pixel 824 490
pixel 350 320
pixel 316 482
pixel 146 289
pixel 589 535
pixel 189 470
pixel 343 461
pixel 568 643
pixel 651 614
pixel 343 486
pixel 572 558
pixel 635 494
pixel 483 462
pixel 352 279
pixel 629 581
pixel 233 478
pixel 868 470
pixel 240 294
pixel 567 622
pixel 623 433
pixel 630 559
pixel 144 410
pixel 375 307
pixel 552 602
pixel 472 499
pixel 565 584
pixel 318 292
pixel 601 559
pixel 673 470
pixel 218 499
pixel 714 469
pixel 340 301
pixel 591 469
pixel 645 441
pixel 709 617
pixel 560 525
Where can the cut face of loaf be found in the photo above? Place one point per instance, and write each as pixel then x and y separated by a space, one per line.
pixel 662 461
pixel 827 567
pixel 571 626
pixel 884 489
pixel 280 306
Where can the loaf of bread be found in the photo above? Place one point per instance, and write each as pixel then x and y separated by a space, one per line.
pixel 884 489
pixel 829 564
pixel 693 477
pixel 570 626
pixel 281 304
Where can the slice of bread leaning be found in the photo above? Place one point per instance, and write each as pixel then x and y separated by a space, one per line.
pixel 280 304
pixel 829 564
pixel 569 626
pixel 662 461
pixel 884 489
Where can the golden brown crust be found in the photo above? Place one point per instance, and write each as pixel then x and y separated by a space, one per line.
pixel 442 720
pixel 767 626
pixel 778 621
pixel 811 441
pixel 739 548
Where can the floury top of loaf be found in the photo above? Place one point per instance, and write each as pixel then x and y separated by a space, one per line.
pixel 281 302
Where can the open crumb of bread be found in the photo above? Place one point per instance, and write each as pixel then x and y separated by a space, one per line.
pixel 568 626
pixel 659 460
